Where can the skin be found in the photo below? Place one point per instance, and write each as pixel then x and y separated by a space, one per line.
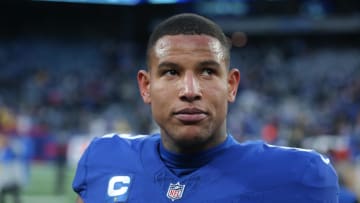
pixel 79 200
pixel 189 86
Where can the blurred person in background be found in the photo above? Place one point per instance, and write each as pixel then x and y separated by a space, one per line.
pixel 60 160
pixel 23 146
pixel 10 174
pixel 346 195
pixel 194 158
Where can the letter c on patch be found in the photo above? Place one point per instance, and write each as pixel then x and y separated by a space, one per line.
pixel 118 185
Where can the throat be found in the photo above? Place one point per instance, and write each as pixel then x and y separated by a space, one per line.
pixel 184 164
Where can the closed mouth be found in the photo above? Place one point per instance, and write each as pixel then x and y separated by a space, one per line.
pixel 190 115
pixel 190 111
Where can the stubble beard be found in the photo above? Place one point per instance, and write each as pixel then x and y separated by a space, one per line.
pixel 185 142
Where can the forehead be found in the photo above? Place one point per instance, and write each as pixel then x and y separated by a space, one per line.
pixel 177 44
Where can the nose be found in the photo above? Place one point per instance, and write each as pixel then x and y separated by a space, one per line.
pixel 190 88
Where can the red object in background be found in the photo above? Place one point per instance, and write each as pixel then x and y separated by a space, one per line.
pixel 269 133
pixel 50 150
pixel 39 131
pixel 340 154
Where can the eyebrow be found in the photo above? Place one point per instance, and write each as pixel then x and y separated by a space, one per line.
pixel 167 64
pixel 209 63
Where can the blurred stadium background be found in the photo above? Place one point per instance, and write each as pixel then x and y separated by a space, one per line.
pixel 68 70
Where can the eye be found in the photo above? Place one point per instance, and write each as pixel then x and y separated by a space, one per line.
pixel 208 71
pixel 170 72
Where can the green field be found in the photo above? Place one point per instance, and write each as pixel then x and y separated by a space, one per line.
pixel 41 188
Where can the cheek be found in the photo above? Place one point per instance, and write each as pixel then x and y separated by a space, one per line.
pixel 217 96
pixel 216 90
pixel 161 93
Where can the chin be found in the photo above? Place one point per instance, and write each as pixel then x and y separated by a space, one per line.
pixel 192 140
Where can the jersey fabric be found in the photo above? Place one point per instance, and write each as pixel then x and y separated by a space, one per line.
pixel 118 169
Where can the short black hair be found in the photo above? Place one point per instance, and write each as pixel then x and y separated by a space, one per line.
pixel 188 24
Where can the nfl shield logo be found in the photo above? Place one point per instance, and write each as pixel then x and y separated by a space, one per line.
pixel 175 191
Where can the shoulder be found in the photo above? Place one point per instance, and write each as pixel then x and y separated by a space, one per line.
pixel 294 155
pixel 115 140
pixel 122 140
pixel 278 158
pixel 316 178
pixel 310 171
pixel 279 154
pixel 108 155
pixel 304 173
pixel 117 145
pixel 304 166
pixel 316 168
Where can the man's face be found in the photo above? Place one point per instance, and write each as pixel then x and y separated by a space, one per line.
pixel 189 87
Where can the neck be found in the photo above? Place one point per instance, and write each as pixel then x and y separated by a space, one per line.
pixel 193 146
pixel 183 164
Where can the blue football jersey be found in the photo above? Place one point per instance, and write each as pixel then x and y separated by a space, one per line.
pixel 119 169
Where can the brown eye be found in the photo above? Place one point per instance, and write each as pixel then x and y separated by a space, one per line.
pixel 208 71
pixel 171 72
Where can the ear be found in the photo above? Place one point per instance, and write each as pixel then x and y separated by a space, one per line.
pixel 143 78
pixel 233 84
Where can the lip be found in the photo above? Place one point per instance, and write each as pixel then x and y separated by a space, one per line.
pixel 190 115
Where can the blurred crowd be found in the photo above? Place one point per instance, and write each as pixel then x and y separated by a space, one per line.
pixel 293 92
pixel 53 89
